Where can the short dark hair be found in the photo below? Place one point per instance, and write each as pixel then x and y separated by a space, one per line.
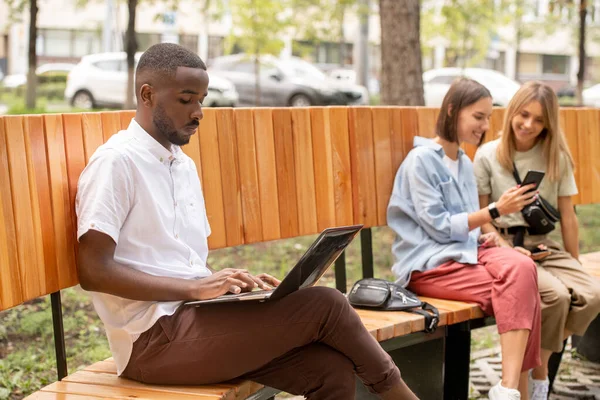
pixel 163 59
pixel 462 93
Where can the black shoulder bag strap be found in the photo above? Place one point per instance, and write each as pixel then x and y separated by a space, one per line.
pixel 431 321
pixel 519 238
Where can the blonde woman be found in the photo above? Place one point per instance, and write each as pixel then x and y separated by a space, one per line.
pixel 532 140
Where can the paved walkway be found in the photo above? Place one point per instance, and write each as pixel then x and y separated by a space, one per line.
pixel 577 379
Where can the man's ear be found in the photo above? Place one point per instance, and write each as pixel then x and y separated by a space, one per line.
pixel 147 95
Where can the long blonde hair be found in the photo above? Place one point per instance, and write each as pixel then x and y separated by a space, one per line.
pixel 554 142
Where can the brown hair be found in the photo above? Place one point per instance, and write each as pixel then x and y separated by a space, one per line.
pixel 554 142
pixel 462 93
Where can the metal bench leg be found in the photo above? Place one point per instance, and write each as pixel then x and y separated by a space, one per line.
pixel 59 335
pixel 457 362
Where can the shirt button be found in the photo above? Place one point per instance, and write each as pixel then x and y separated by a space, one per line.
pixel 176 236
pixel 161 159
pixel 175 203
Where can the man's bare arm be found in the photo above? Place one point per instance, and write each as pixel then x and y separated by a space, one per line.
pixel 99 272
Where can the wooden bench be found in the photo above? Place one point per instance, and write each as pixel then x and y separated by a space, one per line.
pixel 267 174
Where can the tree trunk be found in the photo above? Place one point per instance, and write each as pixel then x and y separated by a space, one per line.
pixel 32 56
pixel 130 48
pixel 581 72
pixel 342 41
pixel 401 69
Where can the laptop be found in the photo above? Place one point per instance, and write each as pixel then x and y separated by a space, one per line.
pixel 307 271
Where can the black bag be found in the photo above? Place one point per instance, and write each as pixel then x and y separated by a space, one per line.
pixel 539 215
pixel 379 294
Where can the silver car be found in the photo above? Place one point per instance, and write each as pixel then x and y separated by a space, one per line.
pixel 285 82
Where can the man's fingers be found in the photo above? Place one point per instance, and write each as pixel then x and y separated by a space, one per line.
pixel 234 285
pixel 270 279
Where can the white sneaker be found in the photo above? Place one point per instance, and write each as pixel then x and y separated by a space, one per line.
pixel 538 388
pixel 499 392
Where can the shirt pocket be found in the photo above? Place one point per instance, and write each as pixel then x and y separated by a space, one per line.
pixel 452 199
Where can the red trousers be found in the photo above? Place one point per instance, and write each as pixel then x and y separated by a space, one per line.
pixel 503 283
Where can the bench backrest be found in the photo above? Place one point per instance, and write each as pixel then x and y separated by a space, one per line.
pixel 267 174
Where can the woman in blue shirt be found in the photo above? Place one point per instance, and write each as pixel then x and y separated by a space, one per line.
pixel 439 249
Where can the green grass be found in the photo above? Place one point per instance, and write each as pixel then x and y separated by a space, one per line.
pixel 27 360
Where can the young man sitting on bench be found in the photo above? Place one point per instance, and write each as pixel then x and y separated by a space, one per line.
pixel 143 231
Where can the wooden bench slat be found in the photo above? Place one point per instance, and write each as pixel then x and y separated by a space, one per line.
pixel 305 171
pixel 211 178
pixel 27 218
pixel 267 173
pixel 383 147
pixel 342 169
pixel 42 201
pixel 62 214
pixel 323 167
pixel 60 396
pixel 125 118
pixel 364 185
pixel 286 172
pixel 249 183
pixel 111 124
pixel 115 392
pixel 96 378
pixel 92 133
pixel 228 155
pixel 75 159
pixel 569 121
pixel 11 290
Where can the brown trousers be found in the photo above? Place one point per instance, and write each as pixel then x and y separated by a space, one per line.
pixel 570 297
pixel 310 343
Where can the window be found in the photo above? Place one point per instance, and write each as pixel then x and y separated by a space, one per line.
pixel 215 46
pixel 190 42
pixel 244 66
pixel 56 43
pixel 557 65
pixel 85 42
pixel 111 65
pixel 528 64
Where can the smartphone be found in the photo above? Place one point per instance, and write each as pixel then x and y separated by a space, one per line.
pixel 539 255
pixel 534 177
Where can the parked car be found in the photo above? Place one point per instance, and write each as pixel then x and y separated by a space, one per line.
pixel 349 75
pixel 591 96
pixel 436 83
pixel 99 80
pixel 285 82
pixel 45 72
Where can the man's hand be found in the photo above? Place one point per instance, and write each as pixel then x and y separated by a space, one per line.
pixel 491 239
pixel 232 280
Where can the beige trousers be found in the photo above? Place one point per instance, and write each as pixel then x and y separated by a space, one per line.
pixel 570 297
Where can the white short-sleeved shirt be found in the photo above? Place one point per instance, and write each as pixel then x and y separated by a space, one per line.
pixel 494 180
pixel 149 201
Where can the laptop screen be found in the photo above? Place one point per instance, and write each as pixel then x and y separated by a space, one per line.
pixel 317 259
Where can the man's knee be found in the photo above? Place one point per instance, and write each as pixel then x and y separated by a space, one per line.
pixel 326 295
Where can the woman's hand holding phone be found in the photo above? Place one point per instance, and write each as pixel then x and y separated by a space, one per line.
pixel 515 198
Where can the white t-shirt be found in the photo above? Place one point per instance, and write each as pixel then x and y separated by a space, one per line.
pixel 452 166
pixel 149 201
pixel 494 180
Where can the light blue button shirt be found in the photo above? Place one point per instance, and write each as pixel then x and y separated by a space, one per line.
pixel 428 211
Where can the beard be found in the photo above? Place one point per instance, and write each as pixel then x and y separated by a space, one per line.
pixel 165 126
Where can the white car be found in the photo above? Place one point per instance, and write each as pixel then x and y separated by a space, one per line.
pixel 436 83
pixel 99 80
pixel 17 80
pixel 591 96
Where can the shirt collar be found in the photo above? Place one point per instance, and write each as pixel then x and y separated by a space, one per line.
pixel 426 142
pixel 150 144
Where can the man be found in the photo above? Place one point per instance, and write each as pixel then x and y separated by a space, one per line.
pixel 143 231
